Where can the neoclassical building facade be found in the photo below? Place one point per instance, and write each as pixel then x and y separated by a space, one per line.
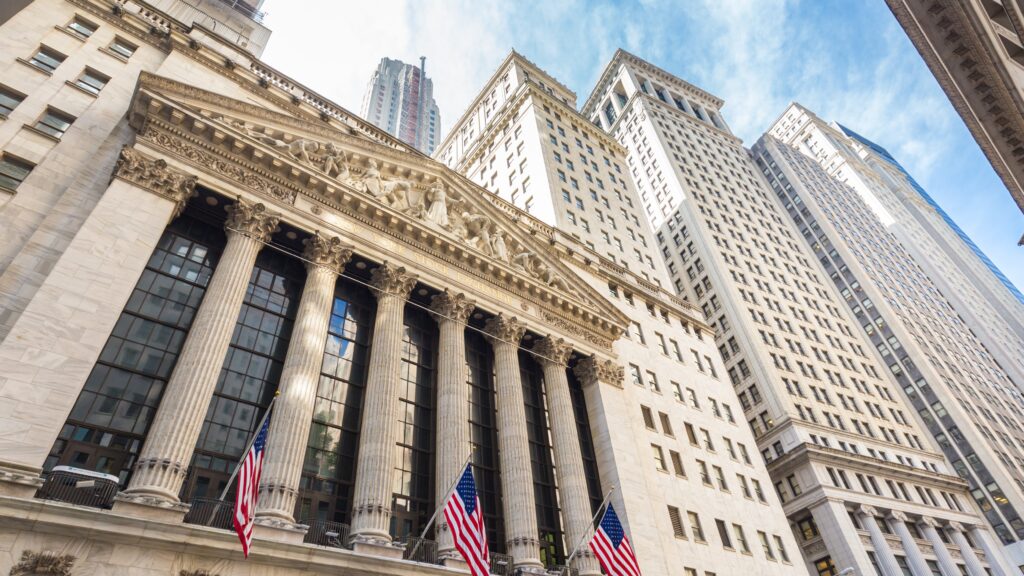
pixel 190 238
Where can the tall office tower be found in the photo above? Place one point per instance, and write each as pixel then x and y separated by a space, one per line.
pixel 691 489
pixel 973 411
pixel 977 291
pixel 859 481
pixel 400 101
pixel 975 49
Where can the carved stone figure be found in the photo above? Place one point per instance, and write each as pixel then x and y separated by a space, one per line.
pixel 35 563
pixel 498 246
pixel 335 163
pixel 437 214
pixel 523 261
pixel 478 231
pixel 371 180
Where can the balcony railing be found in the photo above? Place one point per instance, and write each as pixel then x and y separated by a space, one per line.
pixel 80 487
pixel 212 513
pixel 420 550
pixel 324 533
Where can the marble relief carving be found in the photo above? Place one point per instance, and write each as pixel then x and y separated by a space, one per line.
pixel 438 206
pixel 155 175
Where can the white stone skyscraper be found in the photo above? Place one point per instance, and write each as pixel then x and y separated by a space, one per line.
pixel 981 295
pixel 860 482
pixel 693 494
pixel 400 100
pixel 963 398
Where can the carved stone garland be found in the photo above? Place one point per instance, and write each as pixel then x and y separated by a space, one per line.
pixel 593 370
pixel 43 564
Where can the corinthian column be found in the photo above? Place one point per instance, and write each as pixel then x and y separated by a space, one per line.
pixel 293 411
pixel 521 533
pixel 993 553
pixel 572 479
pixel 371 512
pixel 947 566
pixel 172 437
pixel 886 558
pixel 453 439
pixel 974 567
pixel 917 564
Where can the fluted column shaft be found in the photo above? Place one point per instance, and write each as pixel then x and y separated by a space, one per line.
pixel 996 562
pixel 884 554
pixel 454 437
pixel 371 513
pixel 946 564
pixel 293 411
pixel 172 437
pixel 572 479
pixel 974 567
pixel 521 532
pixel 917 564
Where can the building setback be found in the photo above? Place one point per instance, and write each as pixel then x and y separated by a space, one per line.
pixel 860 482
pixel 687 470
pixel 400 100
pixel 975 49
pixel 962 397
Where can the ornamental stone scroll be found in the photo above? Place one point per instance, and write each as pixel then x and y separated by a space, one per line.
pixel 155 175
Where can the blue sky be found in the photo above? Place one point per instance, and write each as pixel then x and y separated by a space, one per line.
pixel 848 61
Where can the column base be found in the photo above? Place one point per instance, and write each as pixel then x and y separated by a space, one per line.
pixel 279 530
pixel 19 481
pixel 150 508
pixel 455 562
pixel 379 547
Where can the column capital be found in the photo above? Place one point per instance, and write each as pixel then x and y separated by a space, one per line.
pixel 451 306
pixel 955 526
pixel 553 350
pixel 932 522
pixel 592 370
pixel 155 175
pixel 503 328
pixel 326 252
pixel 391 280
pixel 897 516
pixel 865 510
pixel 251 219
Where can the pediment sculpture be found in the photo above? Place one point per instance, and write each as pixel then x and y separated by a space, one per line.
pixel 438 206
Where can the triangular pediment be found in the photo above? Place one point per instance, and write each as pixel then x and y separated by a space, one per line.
pixel 343 169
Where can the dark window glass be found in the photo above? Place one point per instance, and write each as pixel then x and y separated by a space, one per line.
pixel 250 374
pixel 122 48
pixel 91 81
pixel 81 27
pixel 329 472
pixel 47 59
pixel 579 405
pixel 13 172
pixel 54 123
pixel 414 451
pixel 111 417
pixel 548 521
pixel 484 430
pixel 9 100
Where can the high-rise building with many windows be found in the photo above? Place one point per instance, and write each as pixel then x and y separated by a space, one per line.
pixel 694 493
pixel 964 399
pixel 859 480
pixel 977 291
pixel 400 100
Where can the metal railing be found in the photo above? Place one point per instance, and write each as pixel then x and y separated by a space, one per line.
pixel 80 487
pixel 211 512
pixel 324 533
pixel 420 550
pixel 501 564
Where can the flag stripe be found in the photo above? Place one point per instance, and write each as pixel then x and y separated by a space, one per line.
pixel 247 490
pixel 612 548
pixel 465 517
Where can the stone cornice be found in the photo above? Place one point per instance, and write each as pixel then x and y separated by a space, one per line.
pixel 265 162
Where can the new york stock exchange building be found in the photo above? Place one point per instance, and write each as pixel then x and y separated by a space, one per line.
pixel 189 236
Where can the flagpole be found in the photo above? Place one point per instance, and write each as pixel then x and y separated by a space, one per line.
pixel 440 506
pixel 245 453
pixel 568 561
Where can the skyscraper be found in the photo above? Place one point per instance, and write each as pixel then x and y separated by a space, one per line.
pixel 692 492
pixel 400 101
pixel 846 455
pixel 965 400
pixel 975 49
pixel 990 305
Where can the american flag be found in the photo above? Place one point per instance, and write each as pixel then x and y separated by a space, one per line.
pixel 612 548
pixel 465 518
pixel 248 488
